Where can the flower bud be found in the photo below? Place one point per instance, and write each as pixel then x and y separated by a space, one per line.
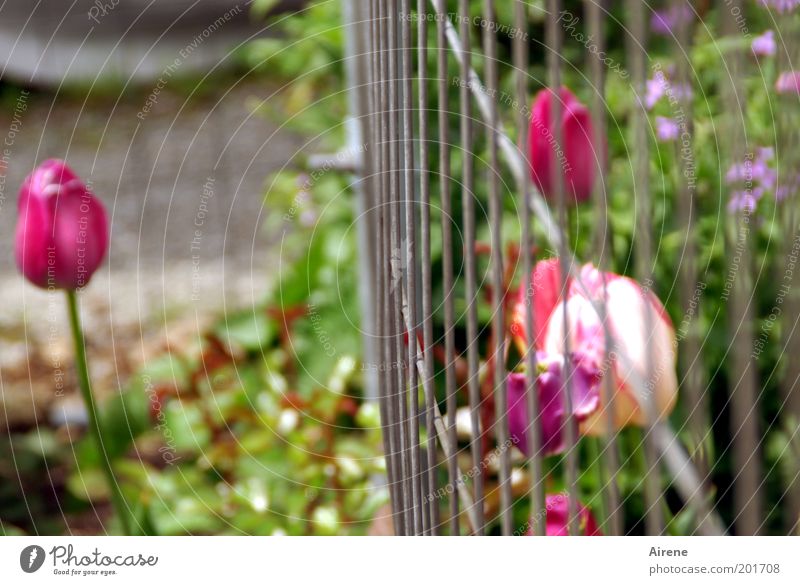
pixel 62 229
pixel 574 156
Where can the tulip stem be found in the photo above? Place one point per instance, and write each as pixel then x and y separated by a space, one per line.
pixel 82 367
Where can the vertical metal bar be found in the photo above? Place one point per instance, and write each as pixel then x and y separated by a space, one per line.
pixel 537 495
pixel 409 205
pixel 498 297
pixel 554 56
pixel 447 257
pixel 788 152
pixel 470 276
pixel 696 404
pixel 390 363
pixel 610 454
pixel 743 375
pixel 637 42
pixel 396 215
pixel 427 284
pixel 373 123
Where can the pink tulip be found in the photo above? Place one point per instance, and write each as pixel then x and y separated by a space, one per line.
pixel 62 230
pixel 643 340
pixel 575 155
pixel 557 514
pixel 551 388
pixel 544 290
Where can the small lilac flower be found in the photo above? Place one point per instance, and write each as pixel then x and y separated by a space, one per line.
pixel 780 6
pixel 764 44
pixel 667 129
pixel 655 89
pixel 664 22
pixel 788 82
pixel 550 387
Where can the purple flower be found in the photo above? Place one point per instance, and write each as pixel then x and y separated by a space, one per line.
pixel 755 176
pixel 667 129
pixel 764 45
pixel 550 387
pixel 780 6
pixel 655 89
pixel 659 86
pixel 663 22
pixel 788 82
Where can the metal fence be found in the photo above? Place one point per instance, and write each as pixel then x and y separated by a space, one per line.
pixel 401 58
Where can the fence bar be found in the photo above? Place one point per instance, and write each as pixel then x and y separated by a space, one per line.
pixel 498 285
pixel 396 260
pixel 470 276
pixel 447 260
pixel 389 380
pixel 609 456
pixel 553 34
pixel 379 272
pixel 410 263
pixel 537 495
pixel 743 376
pixel 637 43
pixel 427 284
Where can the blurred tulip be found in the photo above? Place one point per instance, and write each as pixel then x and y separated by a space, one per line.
pixel 576 156
pixel 640 339
pixel 62 229
pixel 557 514
pixel 545 290
pixel 551 388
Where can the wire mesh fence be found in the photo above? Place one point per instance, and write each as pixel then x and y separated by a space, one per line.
pixel 498 416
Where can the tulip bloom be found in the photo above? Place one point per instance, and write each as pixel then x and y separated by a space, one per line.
pixel 557 514
pixel 788 82
pixel 577 159
pixel 551 388
pixel 640 329
pixel 62 230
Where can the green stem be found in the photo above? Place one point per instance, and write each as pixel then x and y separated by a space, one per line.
pixel 82 367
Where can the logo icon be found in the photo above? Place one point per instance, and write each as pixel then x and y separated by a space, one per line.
pixel 31 558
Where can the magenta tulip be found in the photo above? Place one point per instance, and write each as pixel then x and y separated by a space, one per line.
pixel 62 230
pixel 557 514
pixel 636 321
pixel 551 388
pixel 574 156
